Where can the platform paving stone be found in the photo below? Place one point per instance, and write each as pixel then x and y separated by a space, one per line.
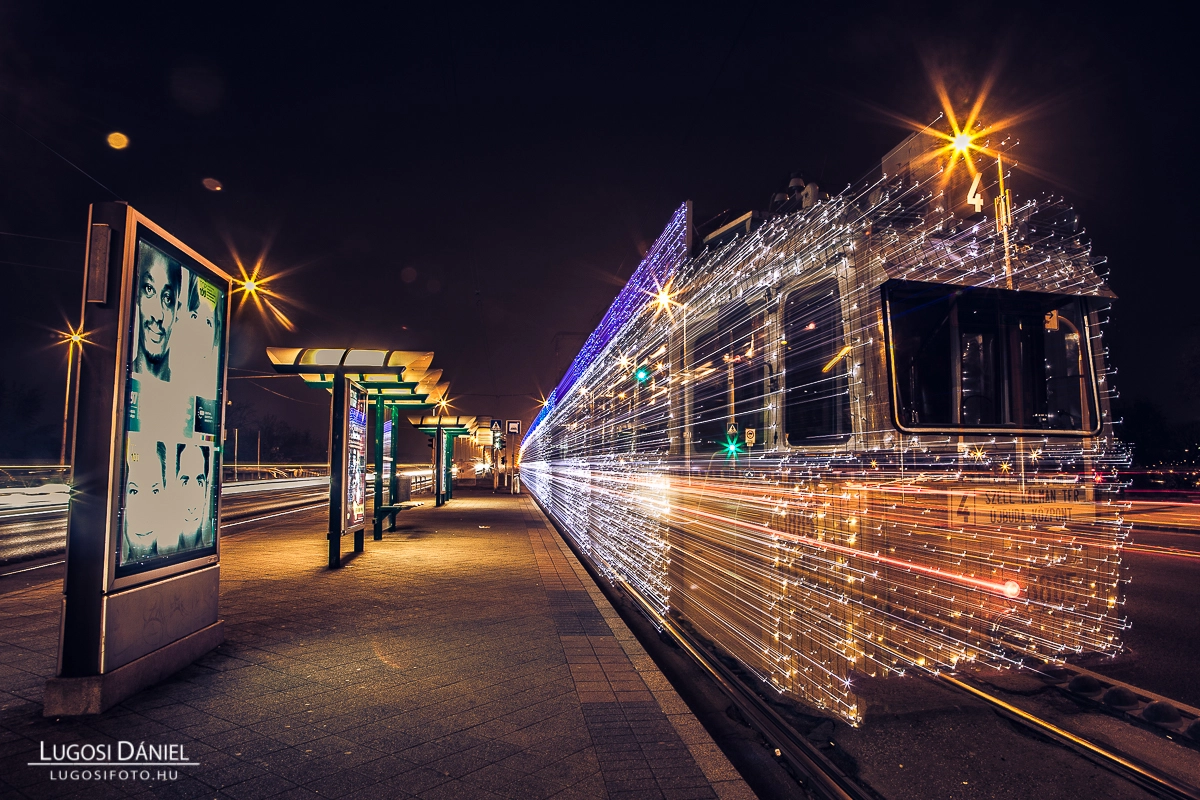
pixel 467 655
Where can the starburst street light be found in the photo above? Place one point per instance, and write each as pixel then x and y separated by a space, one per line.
pixel 663 300
pixel 968 138
pixel 254 286
pixel 72 338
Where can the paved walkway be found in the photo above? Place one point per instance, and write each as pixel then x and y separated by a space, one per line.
pixel 468 655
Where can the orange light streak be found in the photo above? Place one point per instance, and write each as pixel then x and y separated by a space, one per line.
pixel 1005 588
pixel 833 361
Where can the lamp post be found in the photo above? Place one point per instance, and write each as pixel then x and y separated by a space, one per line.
pixel 438 458
pixel 73 339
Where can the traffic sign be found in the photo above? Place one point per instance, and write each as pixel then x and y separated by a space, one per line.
pixel 751 436
pixel 512 426
pixel 496 426
pixel 731 429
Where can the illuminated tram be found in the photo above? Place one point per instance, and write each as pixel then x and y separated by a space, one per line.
pixel 867 434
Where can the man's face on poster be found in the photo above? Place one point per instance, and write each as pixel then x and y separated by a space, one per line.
pixel 144 495
pixel 157 305
pixel 192 480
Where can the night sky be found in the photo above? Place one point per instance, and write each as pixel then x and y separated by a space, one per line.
pixel 481 182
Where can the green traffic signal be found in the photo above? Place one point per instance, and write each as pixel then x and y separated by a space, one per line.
pixel 641 375
pixel 732 447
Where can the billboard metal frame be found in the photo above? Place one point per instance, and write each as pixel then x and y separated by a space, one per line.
pixel 339 446
pixel 134 221
pixel 113 638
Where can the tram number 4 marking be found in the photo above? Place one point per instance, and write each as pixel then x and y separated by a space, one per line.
pixel 974 197
pixel 964 510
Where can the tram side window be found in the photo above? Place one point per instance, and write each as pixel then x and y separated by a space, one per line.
pixel 746 346
pixel 729 384
pixel 558 447
pixel 651 413
pixel 817 408
pixel 710 404
pixel 968 357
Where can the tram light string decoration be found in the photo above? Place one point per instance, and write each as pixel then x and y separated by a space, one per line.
pixel 738 462
pixel 653 275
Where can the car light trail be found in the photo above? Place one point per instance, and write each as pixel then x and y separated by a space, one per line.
pixel 1159 550
pixel 272 516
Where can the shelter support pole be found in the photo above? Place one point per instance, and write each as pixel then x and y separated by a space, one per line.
pixel 337 470
pixel 438 458
pixel 380 409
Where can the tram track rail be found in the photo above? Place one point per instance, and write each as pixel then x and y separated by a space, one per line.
pixel 805 759
pixel 36 533
pixel 816 772
pixel 831 782
pixel 1144 775
pixel 1184 730
pixel 820 775
pixel 232 528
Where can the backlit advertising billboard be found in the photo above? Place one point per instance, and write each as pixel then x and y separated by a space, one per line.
pixel 176 315
pixel 141 597
pixel 356 457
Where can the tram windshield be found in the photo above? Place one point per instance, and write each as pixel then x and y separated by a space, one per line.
pixel 974 358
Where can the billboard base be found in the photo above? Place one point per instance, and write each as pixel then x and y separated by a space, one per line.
pixel 66 697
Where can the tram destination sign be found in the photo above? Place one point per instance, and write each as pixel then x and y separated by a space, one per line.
pixel 1048 506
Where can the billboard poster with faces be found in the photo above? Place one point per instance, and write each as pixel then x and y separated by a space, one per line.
pixel 172 447
pixel 356 456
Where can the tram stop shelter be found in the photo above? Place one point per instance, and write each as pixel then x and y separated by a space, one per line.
pixel 396 382
pixel 443 430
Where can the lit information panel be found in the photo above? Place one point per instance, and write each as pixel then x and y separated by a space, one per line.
pixel 172 415
pixel 356 457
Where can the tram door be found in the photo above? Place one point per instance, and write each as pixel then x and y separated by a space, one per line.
pixel 720 570
pixel 817 586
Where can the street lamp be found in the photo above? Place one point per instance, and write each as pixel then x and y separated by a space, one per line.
pixel 73 338
pixel 256 287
